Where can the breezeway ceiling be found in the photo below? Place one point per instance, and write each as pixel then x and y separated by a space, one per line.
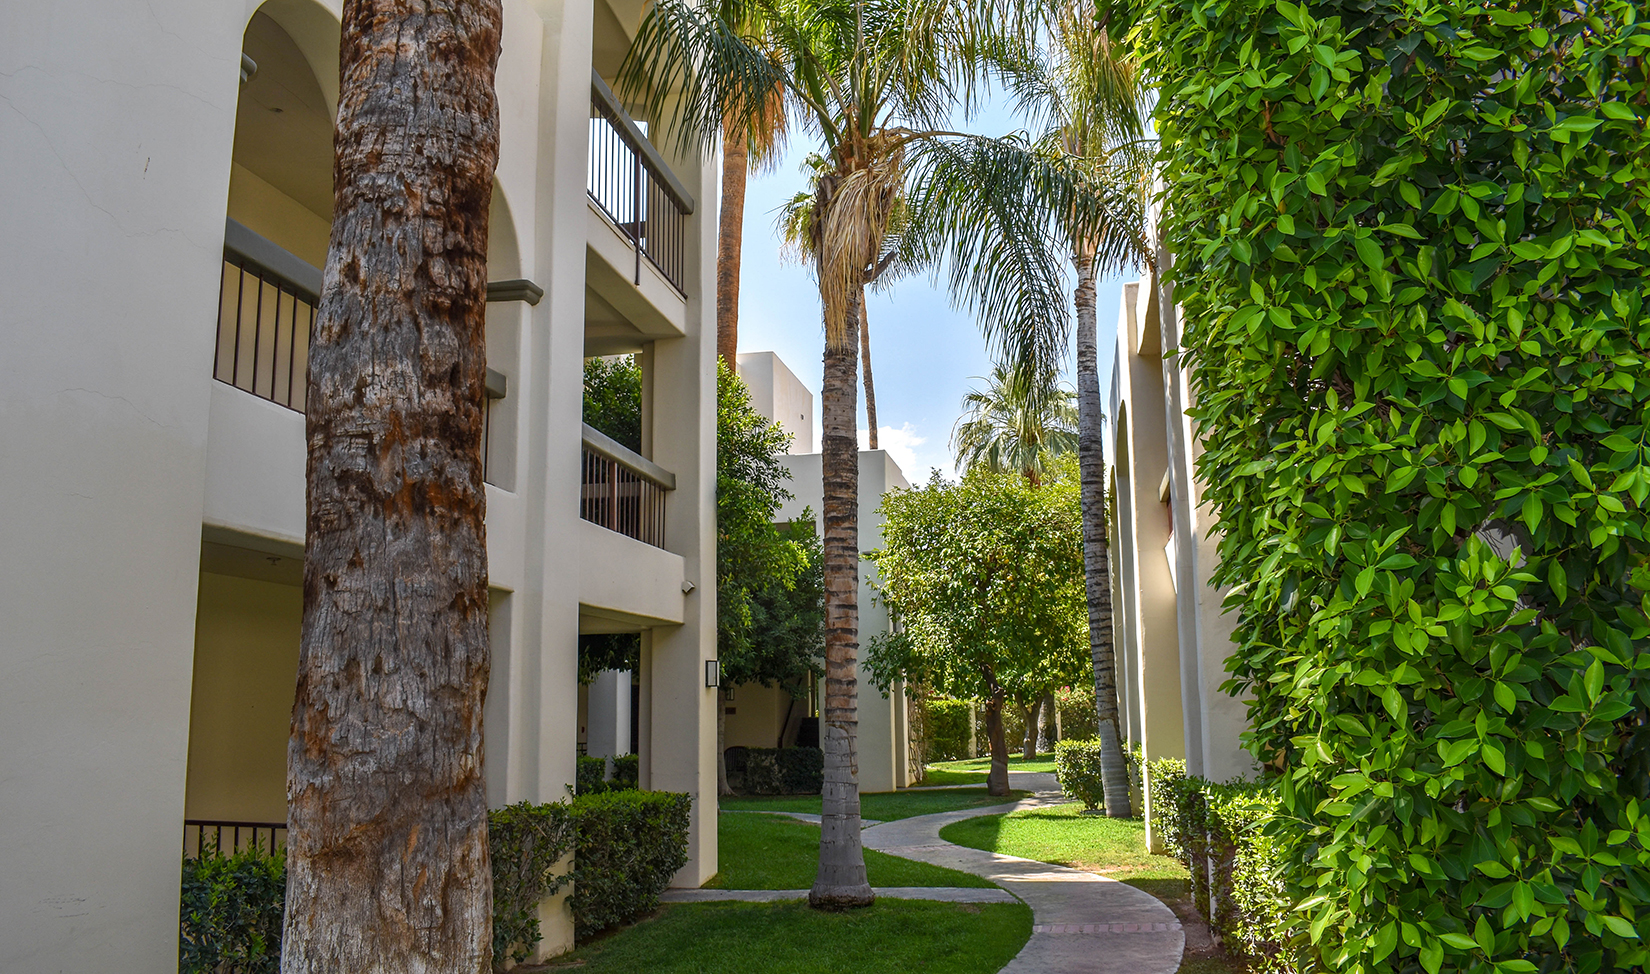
pixel 283 131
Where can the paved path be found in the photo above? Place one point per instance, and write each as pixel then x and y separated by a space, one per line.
pixel 945 894
pixel 1082 923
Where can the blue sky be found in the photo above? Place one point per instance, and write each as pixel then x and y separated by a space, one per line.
pixel 925 354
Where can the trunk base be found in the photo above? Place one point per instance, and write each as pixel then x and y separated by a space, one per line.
pixel 841 897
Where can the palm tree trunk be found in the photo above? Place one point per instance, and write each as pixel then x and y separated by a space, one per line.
pixel 387 866
pixel 841 881
pixel 865 354
pixel 730 242
pixel 1091 464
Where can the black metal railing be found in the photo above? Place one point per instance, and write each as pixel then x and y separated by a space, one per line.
pixel 208 836
pixel 622 491
pixel 629 180
pixel 266 312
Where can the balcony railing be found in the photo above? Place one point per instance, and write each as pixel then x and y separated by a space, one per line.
pixel 266 312
pixel 207 836
pixel 631 183
pixel 622 491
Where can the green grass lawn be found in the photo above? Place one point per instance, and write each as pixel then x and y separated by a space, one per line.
pixel 882 806
pixel 1115 847
pixel 976 768
pixel 891 937
pixel 773 852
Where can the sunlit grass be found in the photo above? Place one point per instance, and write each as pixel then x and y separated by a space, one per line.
pixel 1060 834
pixel 772 852
pixel 882 806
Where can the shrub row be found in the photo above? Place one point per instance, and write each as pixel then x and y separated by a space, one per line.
pixel 776 771
pixel 629 844
pixel 946 725
pixel 592 776
pixel 1222 833
pixel 231 913
pixel 1077 766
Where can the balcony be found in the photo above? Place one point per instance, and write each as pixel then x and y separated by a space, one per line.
pixel 634 188
pixel 267 302
pixel 622 491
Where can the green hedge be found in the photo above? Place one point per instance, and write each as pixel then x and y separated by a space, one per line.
pixel 779 771
pixel 946 725
pixel 627 769
pixel 525 842
pixel 1075 705
pixel 1077 766
pixel 1225 836
pixel 630 844
pixel 231 913
pixel 1410 251
pixel 592 776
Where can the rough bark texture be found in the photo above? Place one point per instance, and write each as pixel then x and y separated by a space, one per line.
pixel 841 881
pixel 730 242
pixel 865 355
pixel 1049 731
pixel 1091 464
pixel 996 780
pixel 387 867
pixel 1028 740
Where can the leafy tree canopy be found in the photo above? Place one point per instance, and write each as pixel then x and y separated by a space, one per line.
pixel 986 579
pixel 769 590
pixel 613 398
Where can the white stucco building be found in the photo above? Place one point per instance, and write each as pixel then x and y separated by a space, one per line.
pixel 167 202
pixel 760 716
pixel 1171 637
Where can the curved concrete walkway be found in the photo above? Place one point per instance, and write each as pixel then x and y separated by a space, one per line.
pixel 1082 923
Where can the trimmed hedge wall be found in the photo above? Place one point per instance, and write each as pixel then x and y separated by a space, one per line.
pixel 1221 833
pixel 629 844
pixel 231 913
pixel 946 726
pixel 592 776
pixel 1077 766
pixel 1410 248
pixel 778 771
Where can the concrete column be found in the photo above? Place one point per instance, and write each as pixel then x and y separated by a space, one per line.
pixel 607 721
pixel 681 729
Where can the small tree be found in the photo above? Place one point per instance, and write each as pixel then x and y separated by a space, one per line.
pixel 755 562
pixel 986 579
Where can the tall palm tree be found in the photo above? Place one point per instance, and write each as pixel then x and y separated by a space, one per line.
pixel 387 866
pixel 1016 424
pixel 1087 96
pixel 875 82
pixel 745 147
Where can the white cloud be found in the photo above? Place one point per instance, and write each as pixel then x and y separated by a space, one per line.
pixel 906 446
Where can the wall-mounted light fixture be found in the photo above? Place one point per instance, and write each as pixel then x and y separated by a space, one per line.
pixel 713 673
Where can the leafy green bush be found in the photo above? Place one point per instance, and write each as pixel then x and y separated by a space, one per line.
pixel 590 776
pixel 946 722
pixel 1410 259
pixel 779 771
pixel 231 913
pixel 1077 766
pixel 1078 718
pixel 1221 833
pixel 525 843
pixel 627 769
pixel 630 844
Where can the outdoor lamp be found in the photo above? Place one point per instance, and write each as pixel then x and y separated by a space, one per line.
pixel 713 673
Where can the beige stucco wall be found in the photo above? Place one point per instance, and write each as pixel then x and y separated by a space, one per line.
pixel 120 450
pixel 240 706
pixel 756 715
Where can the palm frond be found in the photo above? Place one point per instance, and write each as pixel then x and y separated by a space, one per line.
pixel 695 71
pixel 1018 424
